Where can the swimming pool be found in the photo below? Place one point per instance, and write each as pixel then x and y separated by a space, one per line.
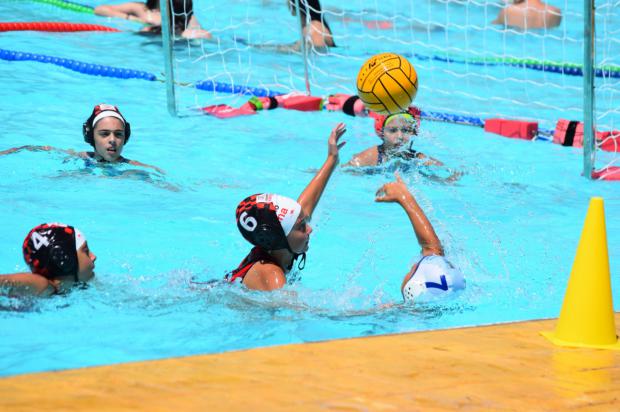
pixel 511 223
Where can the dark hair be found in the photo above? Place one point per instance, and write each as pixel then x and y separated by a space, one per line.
pixel 312 8
pixel 181 11
pixel 152 4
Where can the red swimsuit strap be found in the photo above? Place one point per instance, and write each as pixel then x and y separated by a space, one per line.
pixel 257 254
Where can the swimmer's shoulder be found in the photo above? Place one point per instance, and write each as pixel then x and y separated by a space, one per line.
pixel 265 276
pixel 368 157
pixel 26 284
pixel 85 155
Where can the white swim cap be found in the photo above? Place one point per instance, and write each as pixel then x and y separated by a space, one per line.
pixel 433 276
pixel 80 239
pixel 107 110
pixel 287 209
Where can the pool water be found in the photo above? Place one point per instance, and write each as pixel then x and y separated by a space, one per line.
pixel 511 223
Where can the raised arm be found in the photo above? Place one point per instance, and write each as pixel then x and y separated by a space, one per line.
pixel 397 192
pixel 311 195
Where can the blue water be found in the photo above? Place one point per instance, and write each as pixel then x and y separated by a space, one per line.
pixel 511 223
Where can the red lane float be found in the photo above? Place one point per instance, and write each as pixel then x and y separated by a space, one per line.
pixel 301 102
pixel 609 141
pixel 224 111
pixel 570 133
pixel 53 27
pixel 517 129
pixel 608 173
pixel 291 101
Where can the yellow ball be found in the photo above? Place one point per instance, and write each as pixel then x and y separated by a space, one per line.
pixel 387 83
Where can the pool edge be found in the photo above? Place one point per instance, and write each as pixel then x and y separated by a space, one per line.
pixel 503 366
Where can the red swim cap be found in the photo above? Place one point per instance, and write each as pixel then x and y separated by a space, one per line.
pixel 102 111
pixel 381 118
pixel 50 250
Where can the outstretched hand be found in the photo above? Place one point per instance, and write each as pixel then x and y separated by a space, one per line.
pixel 333 144
pixel 393 191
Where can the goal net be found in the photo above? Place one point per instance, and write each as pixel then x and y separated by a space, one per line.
pixel 469 63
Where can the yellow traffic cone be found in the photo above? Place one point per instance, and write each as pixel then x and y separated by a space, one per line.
pixel 587 316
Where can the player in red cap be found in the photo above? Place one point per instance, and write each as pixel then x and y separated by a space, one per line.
pixel 59 258
pixel 106 130
pixel 396 132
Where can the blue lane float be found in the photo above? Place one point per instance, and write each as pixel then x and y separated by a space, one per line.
pixel 77 66
pixel 121 73
pixel 453 118
pixel 212 86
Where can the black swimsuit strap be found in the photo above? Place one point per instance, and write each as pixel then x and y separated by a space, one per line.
pixel 380 154
pixel 383 157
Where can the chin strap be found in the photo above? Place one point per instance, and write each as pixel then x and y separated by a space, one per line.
pixel 302 262
pixel 296 276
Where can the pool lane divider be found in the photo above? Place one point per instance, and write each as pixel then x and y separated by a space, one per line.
pixel 569 69
pixel 212 86
pixel 53 27
pixel 610 141
pixel 77 66
pixel 68 5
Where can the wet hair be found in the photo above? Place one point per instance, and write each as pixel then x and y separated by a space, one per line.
pixel 180 12
pixel 152 4
pixel 312 8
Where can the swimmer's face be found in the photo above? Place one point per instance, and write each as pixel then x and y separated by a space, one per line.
pixel 109 139
pixel 299 237
pixel 86 263
pixel 398 132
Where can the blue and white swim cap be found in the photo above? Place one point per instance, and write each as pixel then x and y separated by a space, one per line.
pixel 434 275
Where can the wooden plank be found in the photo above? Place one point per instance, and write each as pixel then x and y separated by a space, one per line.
pixel 507 367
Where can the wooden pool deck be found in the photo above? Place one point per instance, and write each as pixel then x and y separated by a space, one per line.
pixel 501 367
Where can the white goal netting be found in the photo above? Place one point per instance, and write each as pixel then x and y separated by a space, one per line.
pixel 468 62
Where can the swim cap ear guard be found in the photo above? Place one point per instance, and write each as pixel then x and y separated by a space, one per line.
pixel 102 111
pixel 258 223
pixel 50 250
pixel 261 219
